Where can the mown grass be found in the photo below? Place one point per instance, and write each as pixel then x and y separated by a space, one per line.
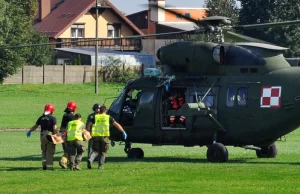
pixel 21 105
pixel 166 169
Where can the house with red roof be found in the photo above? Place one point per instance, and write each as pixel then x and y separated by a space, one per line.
pixel 69 20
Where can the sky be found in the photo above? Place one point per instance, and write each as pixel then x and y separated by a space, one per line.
pixel 133 6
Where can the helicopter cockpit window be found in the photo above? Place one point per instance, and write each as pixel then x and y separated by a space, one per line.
pixel 230 97
pixel 242 95
pixel 117 104
pixel 236 55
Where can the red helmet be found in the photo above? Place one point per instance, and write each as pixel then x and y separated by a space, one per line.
pixel 49 108
pixel 72 106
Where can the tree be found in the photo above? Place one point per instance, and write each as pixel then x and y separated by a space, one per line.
pixel 262 11
pixel 227 8
pixel 16 29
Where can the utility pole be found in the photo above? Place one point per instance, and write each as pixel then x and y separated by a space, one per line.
pixel 96 51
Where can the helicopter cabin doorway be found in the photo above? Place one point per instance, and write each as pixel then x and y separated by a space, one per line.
pixel 192 94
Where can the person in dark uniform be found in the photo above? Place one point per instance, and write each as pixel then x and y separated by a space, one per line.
pixel 48 127
pixel 74 140
pixel 100 136
pixel 96 109
pixel 67 117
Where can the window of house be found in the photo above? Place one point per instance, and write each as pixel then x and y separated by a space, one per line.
pixel 178 16
pixel 113 30
pixel 242 96
pixel 77 31
pixel 187 15
pixel 230 97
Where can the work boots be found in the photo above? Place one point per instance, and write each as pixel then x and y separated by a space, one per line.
pixel 101 162
pixel 91 159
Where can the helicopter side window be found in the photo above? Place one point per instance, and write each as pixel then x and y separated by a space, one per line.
pixel 230 97
pixel 242 95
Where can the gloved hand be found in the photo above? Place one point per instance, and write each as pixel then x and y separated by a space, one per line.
pixel 124 135
pixel 28 134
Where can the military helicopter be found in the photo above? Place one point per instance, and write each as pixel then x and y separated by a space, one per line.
pixel 236 94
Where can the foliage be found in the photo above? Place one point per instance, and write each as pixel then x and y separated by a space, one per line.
pixel 227 8
pixel 116 70
pixel 262 11
pixel 16 21
pixel 78 60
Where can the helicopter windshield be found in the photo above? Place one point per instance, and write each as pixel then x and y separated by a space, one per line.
pixel 237 56
pixel 117 104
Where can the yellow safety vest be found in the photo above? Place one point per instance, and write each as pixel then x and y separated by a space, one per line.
pixel 101 127
pixel 74 130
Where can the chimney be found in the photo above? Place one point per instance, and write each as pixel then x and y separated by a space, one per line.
pixel 157 14
pixel 44 8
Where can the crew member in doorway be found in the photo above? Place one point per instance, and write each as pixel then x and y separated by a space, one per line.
pixel 48 127
pixel 176 102
pixel 67 117
pixel 180 103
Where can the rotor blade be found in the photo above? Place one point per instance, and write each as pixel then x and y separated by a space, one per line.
pixel 99 39
pixel 247 38
pixel 265 25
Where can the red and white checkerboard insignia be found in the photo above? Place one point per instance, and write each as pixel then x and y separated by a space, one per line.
pixel 270 97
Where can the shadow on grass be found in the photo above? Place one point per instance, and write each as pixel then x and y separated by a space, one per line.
pixel 28 158
pixel 195 160
pixel 20 169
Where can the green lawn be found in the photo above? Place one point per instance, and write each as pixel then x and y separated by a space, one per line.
pixel 21 105
pixel 166 169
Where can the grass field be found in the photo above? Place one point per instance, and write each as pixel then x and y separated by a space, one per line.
pixel 165 169
pixel 21 105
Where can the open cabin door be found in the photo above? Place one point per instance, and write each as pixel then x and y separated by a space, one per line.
pixel 144 116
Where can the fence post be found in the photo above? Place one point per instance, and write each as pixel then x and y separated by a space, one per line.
pixel 22 75
pixel 43 73
pixel 84 74
pixel 64 73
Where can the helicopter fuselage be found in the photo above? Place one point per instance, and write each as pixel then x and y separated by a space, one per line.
pixel 249 96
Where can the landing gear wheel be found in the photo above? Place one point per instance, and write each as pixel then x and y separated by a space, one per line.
pixel 135 153
pixel 267 152
pixel 217 153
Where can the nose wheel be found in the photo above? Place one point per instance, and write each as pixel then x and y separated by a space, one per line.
pixel 217 152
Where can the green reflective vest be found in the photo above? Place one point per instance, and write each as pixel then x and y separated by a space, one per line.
pixel 101 127
pixel 74 130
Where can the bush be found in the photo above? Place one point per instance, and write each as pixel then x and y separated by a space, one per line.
pixel 115 71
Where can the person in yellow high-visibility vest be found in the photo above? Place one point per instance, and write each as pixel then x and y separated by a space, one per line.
pixel 100 136
pixel 74 142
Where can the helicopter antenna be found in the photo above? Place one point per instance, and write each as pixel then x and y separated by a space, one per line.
pixel 209 89
pixel 196 95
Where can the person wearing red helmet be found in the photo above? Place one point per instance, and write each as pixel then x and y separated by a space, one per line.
pixel 48 127
pixel 67 117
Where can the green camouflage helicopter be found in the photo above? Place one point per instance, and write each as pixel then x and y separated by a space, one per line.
pixel 235 94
